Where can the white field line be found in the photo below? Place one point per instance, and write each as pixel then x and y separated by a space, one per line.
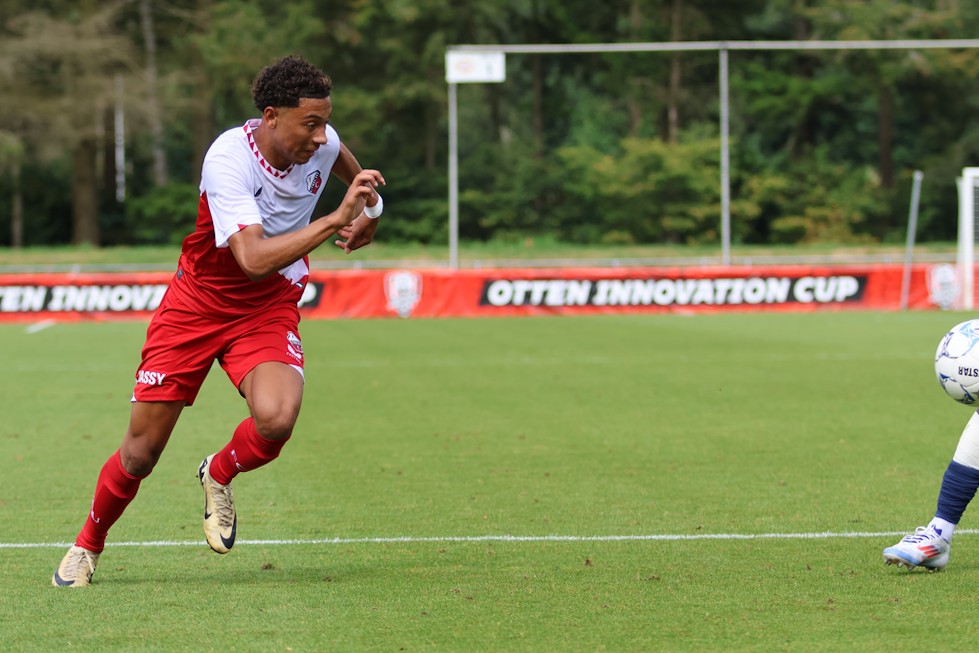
pixel 501 538
pixel 39 326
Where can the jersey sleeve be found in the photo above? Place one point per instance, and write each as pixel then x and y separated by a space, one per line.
pixel 229 194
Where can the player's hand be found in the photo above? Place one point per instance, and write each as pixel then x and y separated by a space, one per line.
pixel 360 191
pixel 358 233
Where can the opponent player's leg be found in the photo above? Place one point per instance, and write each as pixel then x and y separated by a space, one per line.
pixel 150 425
pixel 929 546
pixel 273 391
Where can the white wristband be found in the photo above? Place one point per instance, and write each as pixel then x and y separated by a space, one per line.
pixel 374 212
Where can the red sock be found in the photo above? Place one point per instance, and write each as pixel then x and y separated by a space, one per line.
pixel 113 491
pixel 247 451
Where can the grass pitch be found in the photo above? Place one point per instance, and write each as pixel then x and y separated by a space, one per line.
pixel 627 483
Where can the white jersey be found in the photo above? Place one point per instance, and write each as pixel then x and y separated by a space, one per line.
pixel 243 189
pixel 239 189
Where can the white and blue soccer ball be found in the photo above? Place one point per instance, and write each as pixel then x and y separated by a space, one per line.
pixel 957 362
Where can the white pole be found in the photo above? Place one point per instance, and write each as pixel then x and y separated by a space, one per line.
pixel 453 179
pixel 725 165
pixel 912 230
pixel 966 249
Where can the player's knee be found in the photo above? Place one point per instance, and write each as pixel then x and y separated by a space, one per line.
pixel 275 426
pixel 139 461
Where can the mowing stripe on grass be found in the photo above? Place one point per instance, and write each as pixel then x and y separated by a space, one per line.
pixel 505 538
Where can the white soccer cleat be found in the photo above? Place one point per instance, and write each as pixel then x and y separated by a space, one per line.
pixel 76 568
pixel 923 548
pixel 220 519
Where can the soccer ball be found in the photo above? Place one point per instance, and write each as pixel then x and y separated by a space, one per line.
pixel 957 362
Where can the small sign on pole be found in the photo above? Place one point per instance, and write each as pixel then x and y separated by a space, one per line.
pixel 474 67
pixel 469 67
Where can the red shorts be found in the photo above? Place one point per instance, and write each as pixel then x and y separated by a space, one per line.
pixel 182 345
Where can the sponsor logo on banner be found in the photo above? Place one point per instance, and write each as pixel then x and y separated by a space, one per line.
pixel 943 286
pixel 403 290
pixel 311 295
pixel 751 291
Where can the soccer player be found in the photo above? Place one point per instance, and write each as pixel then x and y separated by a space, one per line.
pixel 929 546
pixel 234 299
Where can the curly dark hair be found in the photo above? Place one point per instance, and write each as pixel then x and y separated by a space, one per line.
pixel 284 82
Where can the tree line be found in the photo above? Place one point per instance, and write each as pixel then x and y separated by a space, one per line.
pixel 611 148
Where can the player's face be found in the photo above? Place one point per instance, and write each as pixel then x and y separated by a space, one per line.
pixel 299 131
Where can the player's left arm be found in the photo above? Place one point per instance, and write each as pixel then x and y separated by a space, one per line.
pixel 361 231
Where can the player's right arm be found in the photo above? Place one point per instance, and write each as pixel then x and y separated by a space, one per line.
pixel 259 256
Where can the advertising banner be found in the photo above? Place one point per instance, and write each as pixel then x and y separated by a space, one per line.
pixel 497 292
pixel 67 297
pixel 429 293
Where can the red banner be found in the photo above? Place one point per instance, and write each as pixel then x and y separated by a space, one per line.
pixel 65 297
pixel 493 292
pixel 472 293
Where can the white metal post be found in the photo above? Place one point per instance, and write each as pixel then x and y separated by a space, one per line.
pixel 453 179
pixel 912 231
pixel 966 249
pixel 725 165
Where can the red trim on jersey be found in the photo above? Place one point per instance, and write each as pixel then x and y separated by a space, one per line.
pixel 218 282
pixel 249 127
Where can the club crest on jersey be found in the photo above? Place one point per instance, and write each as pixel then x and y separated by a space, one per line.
pixel 313 181
pixel 295 346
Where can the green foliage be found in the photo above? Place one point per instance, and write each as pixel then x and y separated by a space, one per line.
pixel 814 200
pixel 648 191
pixel 11 153
pixel 164 215
pixel 416 209
pixel 47 205
pixel 241 37
pixel 612 147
